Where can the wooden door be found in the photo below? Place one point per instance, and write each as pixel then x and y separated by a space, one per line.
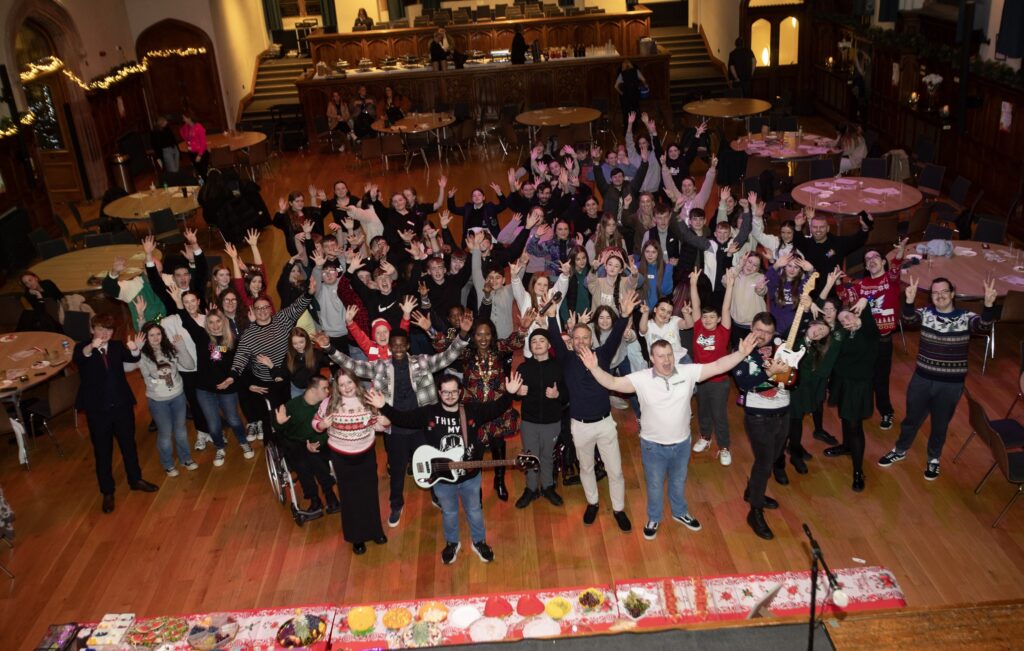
pixel 183 83
pixel 54 145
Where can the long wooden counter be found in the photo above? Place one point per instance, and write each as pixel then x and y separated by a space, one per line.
pixel 561 82
pixel 624 30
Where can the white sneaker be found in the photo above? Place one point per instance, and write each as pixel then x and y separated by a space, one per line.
pixel 172 472
pixel 701 444
pixel 725 457
pixel 218 459
pixel 250 432
pixel 201 439
pixel 191 465
pixel 247 451
pixel 259 430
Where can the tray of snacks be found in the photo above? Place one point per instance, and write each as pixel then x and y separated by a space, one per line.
pixel 212 632
pixel 301 631
pixel 157 631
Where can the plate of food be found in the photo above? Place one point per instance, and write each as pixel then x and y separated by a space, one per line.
pixel 301 631
pixel 590 599
pixel 541 627
pixel 463 617
pixel 40 364
pixel 157 631
pixel 434 612
pixel 557 607
pixel 637 601
pixel 397 618
pixel 213 633
pixel 6 339
pixel 488 629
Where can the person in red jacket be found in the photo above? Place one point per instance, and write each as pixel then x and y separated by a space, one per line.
pixel 377 347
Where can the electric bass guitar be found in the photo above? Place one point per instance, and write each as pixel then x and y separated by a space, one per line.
pixel 785 353
pixel 430 465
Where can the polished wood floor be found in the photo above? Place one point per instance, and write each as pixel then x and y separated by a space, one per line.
pixel 217 539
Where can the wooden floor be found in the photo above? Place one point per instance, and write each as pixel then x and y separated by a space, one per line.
pixel 217 539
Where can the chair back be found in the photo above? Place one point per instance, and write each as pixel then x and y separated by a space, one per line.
pixel 391 145
pixel 982 427
pixel 874 168
pixel 936 232
pixel 958 191
pixel 5 422
pixel 76 325
pixel 369 148
pixel 61 393
pixel 822 168
pixel 1013 310
pixel 787 123
pixel 124 237
pixel 11 309
pixel 40 235
pixel 931 177
pixel 74 213
pixel 757 123
pixel 989 230
pixel 886 230
pixel 221 157
pixel 163 222
pixel 51 248
pixel 259 153
pixel 99 239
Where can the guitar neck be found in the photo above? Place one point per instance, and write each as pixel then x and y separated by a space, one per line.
pixel 470 465
pixel 795 328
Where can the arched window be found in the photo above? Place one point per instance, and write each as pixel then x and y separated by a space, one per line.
pixel 30 45
pixel 761 42
pixel 789 41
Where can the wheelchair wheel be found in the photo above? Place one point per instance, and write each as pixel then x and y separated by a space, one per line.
pixel 274 471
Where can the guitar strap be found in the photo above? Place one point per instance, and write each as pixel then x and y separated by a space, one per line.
pixel 465 430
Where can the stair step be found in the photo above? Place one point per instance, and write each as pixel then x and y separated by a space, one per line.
pixel 680 65
pixel 672 31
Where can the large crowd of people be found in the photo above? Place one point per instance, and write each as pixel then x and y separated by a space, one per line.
pixel 601 270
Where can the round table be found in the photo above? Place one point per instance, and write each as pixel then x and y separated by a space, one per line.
pixel 786 147
pixel 850 195
pixel 969 267
pixel 36 357
pixel 234 141
pixel 139 206
pixel 71 271
pixel 727 107
pixel 416 123
pixel 558 117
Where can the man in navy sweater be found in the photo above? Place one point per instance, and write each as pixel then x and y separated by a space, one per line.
pixel 590 411
pixel 938 381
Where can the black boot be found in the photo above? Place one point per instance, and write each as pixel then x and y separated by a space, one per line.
pixel 757 522
pixel 333 505
pixel 858 482
pixel 498 452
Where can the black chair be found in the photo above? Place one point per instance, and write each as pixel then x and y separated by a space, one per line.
pixel 99 239
pixel 990 230
pixel 51 248
pixel 82 223
pixel 1001 438
pixel 871 138
pixel 924 151
pixel 755 124
pixel 957 199
pixel 177 179
pixel 38 235
pixel 874 168
pixel 936 232
pixel 124 237
pixel 165 227
pixel 76 325
pixel 74 238
pixel 822 168
pixel 787 123
pixel 929 181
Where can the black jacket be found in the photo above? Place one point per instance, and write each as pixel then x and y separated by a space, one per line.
pixel 538 377
pixel 104 386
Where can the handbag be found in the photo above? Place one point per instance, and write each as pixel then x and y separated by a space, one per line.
pixel 645 91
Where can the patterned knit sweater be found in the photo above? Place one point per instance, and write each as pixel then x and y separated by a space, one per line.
pixel 945 339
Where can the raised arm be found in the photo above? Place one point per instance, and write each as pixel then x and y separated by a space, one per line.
pixel 603 377
pixel 727 363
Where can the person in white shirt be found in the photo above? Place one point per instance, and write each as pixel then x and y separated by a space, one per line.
pixel 664 391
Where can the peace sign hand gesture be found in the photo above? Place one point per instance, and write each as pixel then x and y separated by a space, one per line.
pixel 911 291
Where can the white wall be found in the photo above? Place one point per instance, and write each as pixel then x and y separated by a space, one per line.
pixel 239 36
pixel 995 16
pixel 721 22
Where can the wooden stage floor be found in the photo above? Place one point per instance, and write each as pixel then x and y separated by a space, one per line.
pixel 217 539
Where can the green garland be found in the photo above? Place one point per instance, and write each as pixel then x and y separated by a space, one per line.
pixel 924 48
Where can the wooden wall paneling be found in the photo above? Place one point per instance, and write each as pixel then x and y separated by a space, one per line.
pixel 610 30
pixel 502 38
pixel 586 33
pixel 423 44
pixel 351 51
pixel 633 30
pixel 24 187
pixel 559 36
pixel 324 51
pixel 377 48
pixel 482 40
pixel 404 46
pixel 531 33
pixel 110 125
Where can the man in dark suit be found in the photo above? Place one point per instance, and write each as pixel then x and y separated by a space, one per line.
pixel 109 405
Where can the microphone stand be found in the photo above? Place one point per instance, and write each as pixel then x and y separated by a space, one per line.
pixel 816 558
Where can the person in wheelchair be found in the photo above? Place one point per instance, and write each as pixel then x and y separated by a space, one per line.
pixel 305 448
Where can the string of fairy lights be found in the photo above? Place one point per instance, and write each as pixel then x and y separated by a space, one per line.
pixel 52 64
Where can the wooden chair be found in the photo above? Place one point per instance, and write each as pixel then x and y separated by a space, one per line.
pixel 1005 448
pixel 258 159
pixel 84 224
pixel 222 158
pixel 369 151
pixel 391 144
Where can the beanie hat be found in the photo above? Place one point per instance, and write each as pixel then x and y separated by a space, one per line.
pixel 539 333
pixel 379 323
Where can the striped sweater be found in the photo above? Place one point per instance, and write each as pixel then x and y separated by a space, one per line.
pixel 945 339
pixel 270 340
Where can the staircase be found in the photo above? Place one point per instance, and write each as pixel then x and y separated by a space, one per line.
pixel 275 84
pixel 692 73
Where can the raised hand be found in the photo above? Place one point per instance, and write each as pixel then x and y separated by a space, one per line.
pixel 191 238
pixel 321 340
pixel 565 268
pixel 466 322
pixel 350 313
pixel 421 320
pixel 687 310
pixel 585 316
pixel 571 321
pixel 702 129
pixel 376 399
pixel 531 315
pixel 140 305
pixel 534 218
pixel 513 383
pixel 859 306
pixel 307 227
pixel 318 257
pixel 117 266
pixel 990 292
pixel 442 181
pixel 748 344
pixel 282 204
pixel 628 302
pixel 695 276
pixel 588 357
pixel 281 415
pixel 408 304
pixel 497 188
pixel 911 291
pixel 149 245
pixel 631 118
pixel 422 289
pixel 311 290
pixel 714 161
pixel 252 237
pixel 446 218
pixel 724 193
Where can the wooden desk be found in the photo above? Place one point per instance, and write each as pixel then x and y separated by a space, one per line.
pixel 38 356
pixel 550 83
pixel 71 271
pixel 236 141
pixel 622 29
pixel 969 267
pixel 727 107
pixel 558 117
pixel 139 206
pixel 850 195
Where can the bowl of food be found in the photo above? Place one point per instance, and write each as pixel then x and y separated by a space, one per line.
pixel 590 599
pixel 636 602
pixel 301 631
pixel 557 607
pixel 213 632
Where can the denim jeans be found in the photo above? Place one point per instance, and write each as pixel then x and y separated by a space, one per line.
pixel 218 409
pixel 929 398
pixel 663 462
pixel 170 423
pixel 449 495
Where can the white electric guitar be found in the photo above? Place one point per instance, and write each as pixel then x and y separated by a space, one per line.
pixel 785 353
pixel 430 465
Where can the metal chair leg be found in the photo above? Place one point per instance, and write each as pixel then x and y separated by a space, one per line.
pixel 964 447
pixel 49 432
pixel 3 568
pixel 1020 488
pixel 984 479
pixel 903 335
pixel 1013 404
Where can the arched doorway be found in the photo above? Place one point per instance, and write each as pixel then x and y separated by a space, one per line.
pixel 183 83
pixel 71 166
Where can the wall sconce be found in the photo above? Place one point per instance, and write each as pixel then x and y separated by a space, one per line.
pixel 829 62
pixel 914 97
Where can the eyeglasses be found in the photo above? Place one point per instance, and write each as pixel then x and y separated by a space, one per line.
pixel 872 257
pixel 940 292
pixel 261 308
pixel 448 392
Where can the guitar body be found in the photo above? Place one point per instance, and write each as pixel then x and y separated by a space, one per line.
pixel 792 359
pixel 430 465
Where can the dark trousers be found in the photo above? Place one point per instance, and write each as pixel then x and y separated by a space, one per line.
pixel 106 425
pixel 401 444
pixel 311 467
pixel 767 434
pixel 360 506
pixel 793 443
pixel 929 398
pixel 189 381
pixel 883 368
pixel 853 438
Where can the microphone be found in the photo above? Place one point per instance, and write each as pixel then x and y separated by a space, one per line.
pixel 557 296
pixel 839 597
